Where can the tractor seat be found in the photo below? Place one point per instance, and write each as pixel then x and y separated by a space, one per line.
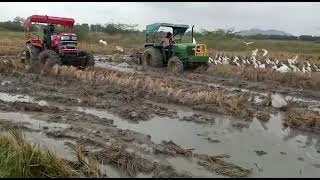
pixel 36 42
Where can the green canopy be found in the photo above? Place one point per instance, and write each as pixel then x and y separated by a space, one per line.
pixel 177 28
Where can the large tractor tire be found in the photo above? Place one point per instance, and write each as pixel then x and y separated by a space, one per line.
pixel 152 57
pixel 89 61
pixel 31 54
pixel 25 57
pixel 175 65
pixel 34 54
pixel 47 59
pixel 32 57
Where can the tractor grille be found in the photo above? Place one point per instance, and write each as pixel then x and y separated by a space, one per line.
pixel 68 44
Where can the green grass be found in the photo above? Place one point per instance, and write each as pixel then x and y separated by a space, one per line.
pixel 11 34
pixel 13 42
pixel 19 159
pixel 276 48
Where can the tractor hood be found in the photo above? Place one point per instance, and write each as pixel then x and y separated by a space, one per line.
pixel 177 28
pixel 184 45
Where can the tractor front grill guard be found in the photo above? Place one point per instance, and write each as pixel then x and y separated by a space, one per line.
pixel 201 50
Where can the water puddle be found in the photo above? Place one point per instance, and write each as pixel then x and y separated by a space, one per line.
pixel 3 83
pixel 61 150
pixel 190 166
pixel 58 147
pixel 124 67
pixel 278 100
pixel 283 147
pixel 30 121
pixel 100 113
pixel 21 98
pixel 99 57
pixel 287 152
pixel 11 98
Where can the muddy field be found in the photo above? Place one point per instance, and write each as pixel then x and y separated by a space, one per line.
pixel 141 122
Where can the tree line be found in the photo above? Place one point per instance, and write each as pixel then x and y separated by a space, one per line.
pixel 115 28
pixel 285 37
pixel 112 28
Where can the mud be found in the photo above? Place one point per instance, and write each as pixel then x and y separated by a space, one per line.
pixel 223 168
pixel 144 133
pixel 304 120
pixel 263 116
pixel 198 118
pixel 170 148
pixel 260 153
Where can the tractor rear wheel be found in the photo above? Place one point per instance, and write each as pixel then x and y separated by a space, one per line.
pixel 48 58
pixel 152 57
pixel 175 65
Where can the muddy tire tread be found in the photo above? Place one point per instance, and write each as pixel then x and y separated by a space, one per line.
pixel 89 62
pixel 178 63
pixel 156 57
pixel 44 55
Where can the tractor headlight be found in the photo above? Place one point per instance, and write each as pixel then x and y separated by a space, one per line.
pixel 63 38
pixel 74 38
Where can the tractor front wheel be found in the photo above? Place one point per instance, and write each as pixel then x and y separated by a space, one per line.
pixel 32 57
pixel 25 59
pixel 48 58
pixel 31 54
pixel 175 65
pixel 89 61
pixel 152 57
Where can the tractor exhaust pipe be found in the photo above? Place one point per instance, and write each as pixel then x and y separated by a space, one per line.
pixel 192 33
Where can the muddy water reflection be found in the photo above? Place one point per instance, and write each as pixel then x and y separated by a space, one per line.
pixel 116 66
pixel 239 139
pixel 290 153
pixel 30 121
pixel 12 98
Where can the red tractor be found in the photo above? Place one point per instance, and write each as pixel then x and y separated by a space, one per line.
pixel 54 48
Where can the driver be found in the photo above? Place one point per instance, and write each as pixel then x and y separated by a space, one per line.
pixel 51 28
pixel 167 45
pixel 47 38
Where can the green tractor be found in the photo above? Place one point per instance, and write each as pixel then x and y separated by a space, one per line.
pixel 183 54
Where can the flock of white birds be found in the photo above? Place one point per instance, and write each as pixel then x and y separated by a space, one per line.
pixel 263 62
pixel 103 42
pixel 119 48
pixel 283 66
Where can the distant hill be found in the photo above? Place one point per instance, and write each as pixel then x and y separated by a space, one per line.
pixel 252 32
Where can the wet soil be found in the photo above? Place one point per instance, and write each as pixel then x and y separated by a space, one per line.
pixel 138 134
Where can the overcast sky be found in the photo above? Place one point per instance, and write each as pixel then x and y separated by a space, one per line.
pixel 293 17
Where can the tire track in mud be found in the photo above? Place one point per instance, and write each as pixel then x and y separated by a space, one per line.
pixel 61 91
pixel 234 106
pixel 220 102
pixel 57 118
pixel 104 136
pixel 235 84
